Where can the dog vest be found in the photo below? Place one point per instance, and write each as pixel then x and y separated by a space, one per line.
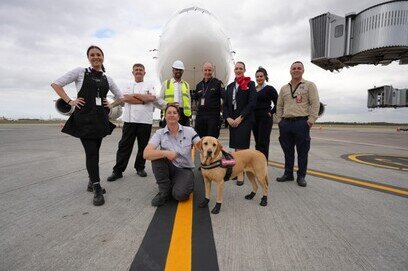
pixel 227 161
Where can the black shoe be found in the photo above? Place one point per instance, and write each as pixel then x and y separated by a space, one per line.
pixel 98 199
pixel 301 181
pixel 114 176
pixel 285 178
pixel 90 188
pixel 141 173
pixel 160 199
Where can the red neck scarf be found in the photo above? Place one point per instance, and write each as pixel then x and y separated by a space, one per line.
pixel 243 82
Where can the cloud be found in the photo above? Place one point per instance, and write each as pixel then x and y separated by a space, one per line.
pixel 41 40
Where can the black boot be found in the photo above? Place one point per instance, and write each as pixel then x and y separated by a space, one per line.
pixel 285 178
pixel 250 196
pixel 216 208
pixel 204 203
pixel 98 199
pixel 90 188
pixel 114 176
pixel 160 199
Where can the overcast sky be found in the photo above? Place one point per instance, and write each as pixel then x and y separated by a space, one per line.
pixel 42 40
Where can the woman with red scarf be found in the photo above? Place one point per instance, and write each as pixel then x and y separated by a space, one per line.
pixel 240 100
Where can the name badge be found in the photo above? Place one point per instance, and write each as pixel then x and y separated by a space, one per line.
pixel 98 101
pixel 299 99
pixel 202 101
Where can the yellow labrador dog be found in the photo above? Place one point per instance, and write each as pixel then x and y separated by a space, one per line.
pixel 252 162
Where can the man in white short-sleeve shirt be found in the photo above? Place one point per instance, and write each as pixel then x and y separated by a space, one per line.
pixel 139 98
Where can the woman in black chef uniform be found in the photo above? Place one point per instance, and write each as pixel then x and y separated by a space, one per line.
pixel 240 100
pixel 90 121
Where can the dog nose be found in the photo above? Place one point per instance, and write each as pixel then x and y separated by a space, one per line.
pixel 209 152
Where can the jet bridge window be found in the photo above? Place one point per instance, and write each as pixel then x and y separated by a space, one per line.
pixel 338 31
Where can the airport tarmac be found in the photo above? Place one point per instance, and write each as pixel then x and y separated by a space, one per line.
pixel 353 214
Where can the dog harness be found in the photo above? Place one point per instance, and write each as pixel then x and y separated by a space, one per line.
pixel 227 161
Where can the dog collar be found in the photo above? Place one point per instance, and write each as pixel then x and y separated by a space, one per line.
pixel 212 165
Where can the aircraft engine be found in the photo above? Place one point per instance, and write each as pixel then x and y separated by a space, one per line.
pixel 65 109
pixel 321 110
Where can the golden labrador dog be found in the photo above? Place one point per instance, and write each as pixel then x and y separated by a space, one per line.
pixel 252 162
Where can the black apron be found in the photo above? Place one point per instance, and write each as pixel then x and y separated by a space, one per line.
pixel 91 121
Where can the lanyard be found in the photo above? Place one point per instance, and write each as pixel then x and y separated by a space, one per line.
pixel 208 86
pixel 292 91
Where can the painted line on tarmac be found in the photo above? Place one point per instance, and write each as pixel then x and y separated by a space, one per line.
pixel 179 237
pixel 380 161
pixel 394 190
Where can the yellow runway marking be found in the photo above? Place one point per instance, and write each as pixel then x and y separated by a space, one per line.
pixel 179 255
pixel 377 186
pixel 353 157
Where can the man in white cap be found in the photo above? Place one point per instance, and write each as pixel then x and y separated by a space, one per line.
pixel 177 91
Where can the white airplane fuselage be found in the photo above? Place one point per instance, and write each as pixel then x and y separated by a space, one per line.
pixel 194 36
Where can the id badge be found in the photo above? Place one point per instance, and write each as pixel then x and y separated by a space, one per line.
pixel 202 102
pixel 98 101
pixel 299 99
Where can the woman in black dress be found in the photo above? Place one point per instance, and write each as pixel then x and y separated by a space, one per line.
pixel 263 111
pixel 90 122
pixel 240 100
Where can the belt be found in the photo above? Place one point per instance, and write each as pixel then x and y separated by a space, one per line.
pixel 296 118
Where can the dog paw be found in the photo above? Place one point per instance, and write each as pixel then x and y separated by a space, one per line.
pixel 204 203
pixel 216 208
pixel 250 196
pixel 264 201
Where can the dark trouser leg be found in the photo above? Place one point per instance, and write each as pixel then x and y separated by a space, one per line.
pixel 264 134
pixel 125 147
pixel 213 126
pixel 255 131
pixel 143 131
pixel 163 171
pixel 302 146
pixel 184 120
pixel 92 146
pixel 287 141
pixel 183 183
pixel 200 126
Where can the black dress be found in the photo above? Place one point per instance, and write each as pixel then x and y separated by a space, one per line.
pixel 245 101
pixel 91 121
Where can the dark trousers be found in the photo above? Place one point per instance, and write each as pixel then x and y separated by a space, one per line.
pixel 92 146
pixel 184 120
pixel 130 132
pixel 208 126
pixel 171 179
pixel 262 132
pixel 295 133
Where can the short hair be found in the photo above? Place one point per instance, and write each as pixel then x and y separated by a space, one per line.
pixel 138 65
pixel 298 62
pixel 240 62
pixel 262 70
pixel 207 62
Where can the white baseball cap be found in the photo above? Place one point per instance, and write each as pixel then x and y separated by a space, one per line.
pixel 178 64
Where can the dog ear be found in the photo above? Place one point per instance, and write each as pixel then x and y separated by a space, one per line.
pixel 199 145
pixel 218 149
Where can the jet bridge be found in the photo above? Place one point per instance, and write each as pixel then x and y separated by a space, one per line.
pixel 376 35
